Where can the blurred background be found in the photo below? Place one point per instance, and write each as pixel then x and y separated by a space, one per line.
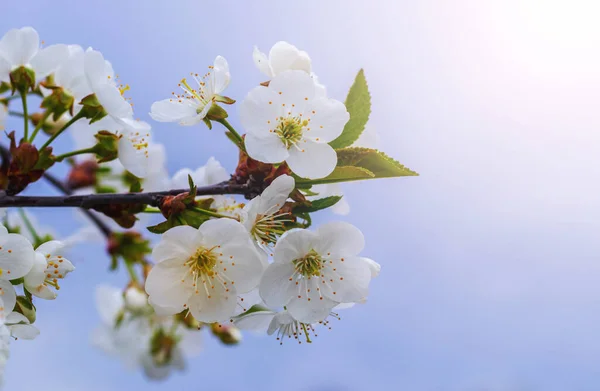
pixel 490 259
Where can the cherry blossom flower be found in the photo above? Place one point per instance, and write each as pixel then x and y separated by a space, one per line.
pixel 262 217
pixel 21 47
pixel 313 272
pixel 16 255
pixel 204 269
pixel 48 268
pixel 282 57
pixel 191 107
pixel 286 121
pixel 101 79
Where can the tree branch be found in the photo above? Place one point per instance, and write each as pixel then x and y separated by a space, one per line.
pixel 89 201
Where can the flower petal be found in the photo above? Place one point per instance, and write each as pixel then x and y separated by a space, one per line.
pixel 262 62
pixel 109 301
pixel 275 195
pixel 294 244
pixel 51 247
pixel 275 287
pixel 312 160
pixel 8 296
pixel 172 110
pixel 213 304
pixel 177 243
pixel 284 56
pixel 48 60
pixel 339 238
pixel 112 101
pixel 373 266
pixel 241 263
pixel 95 67
pixel 24 331
pixel 134 157
pixel 256 321
pixel 220 75
pixel 260 111
pixel 294 88
pixel 16 256
pixel 346 281
pixel 169 284
pixel 266 149
pixel 327 119
pixel 310 311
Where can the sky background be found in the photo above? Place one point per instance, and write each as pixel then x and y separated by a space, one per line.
pixel 490 259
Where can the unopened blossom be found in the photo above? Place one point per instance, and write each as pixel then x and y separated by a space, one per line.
pixel 191 106
pixel 313 272
pixel 101 78
pixel 21 48
pixel 204 269
pixel 262 216
pixel 287 121
pixel 16 255
pixel 284 56
pixel 49 267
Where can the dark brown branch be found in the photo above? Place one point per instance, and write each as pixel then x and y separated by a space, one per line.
pixel 105 229
pixel 89 201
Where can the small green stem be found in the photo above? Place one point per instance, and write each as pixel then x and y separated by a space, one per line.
pixel 211 213
pixel 151 210
pixel 25 116
pixel 131 272
pixel 234 132
pixel 60 158
pixel 39 125
pixel 306 333
pixel 16 113
pixel 29 226
pixel 77 117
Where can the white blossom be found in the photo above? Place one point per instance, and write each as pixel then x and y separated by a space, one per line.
pixel 209 174
pixel 71 77
pixel 262 217
pixel 48 268
pixel 287 121
pixel 204 269
pixel 21 47
pixel 190 107
pixel 312 272
pixel 16 255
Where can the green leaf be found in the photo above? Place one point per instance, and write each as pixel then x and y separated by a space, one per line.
pixel 163 227
pixel 340 174
pixel 358 104
pixel 319 204
pixel 381 165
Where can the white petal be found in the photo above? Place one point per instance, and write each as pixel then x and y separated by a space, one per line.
pixel 294 88
pixel 294 244
pixel 275 195
pixel 112 101
pixel 256 321
pixel 8 296
pixel 53 247
pixel 48 60
pixel 262 62
pixel 162 310
pixel 220 75
pixel 172 110
pixel 16 256
pixel 24 331
pixel 5 69
pixel 312 160
pixel 10 47
pixel 36 276
pixel 109 301
pixel 310 311
pixel 95 67
pixel 223 231
pixel 15 318
pixel 339 238
pixel 275 287
pixel 29 44
pixel 169 284
pixel 133 157
pixel 266 149
pixel 240 263
pixel 373 266
pixel 327 119
pixel 214 173
pixel 260 111
pixel 349 282
pixel 284 56
pixel 177 243
pixel 216 305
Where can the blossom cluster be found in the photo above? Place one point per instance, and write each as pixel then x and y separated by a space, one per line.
pixel 222 263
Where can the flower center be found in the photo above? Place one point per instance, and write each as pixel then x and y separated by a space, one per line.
pixel 196 94
pixel 290 130
pixel 202 262
pixel 309 265
pixel 267 228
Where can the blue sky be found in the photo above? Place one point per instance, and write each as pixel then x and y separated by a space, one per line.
pixel 489 259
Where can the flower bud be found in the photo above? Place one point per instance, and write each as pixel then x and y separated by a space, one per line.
pixel 229 335
pixel 135 299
